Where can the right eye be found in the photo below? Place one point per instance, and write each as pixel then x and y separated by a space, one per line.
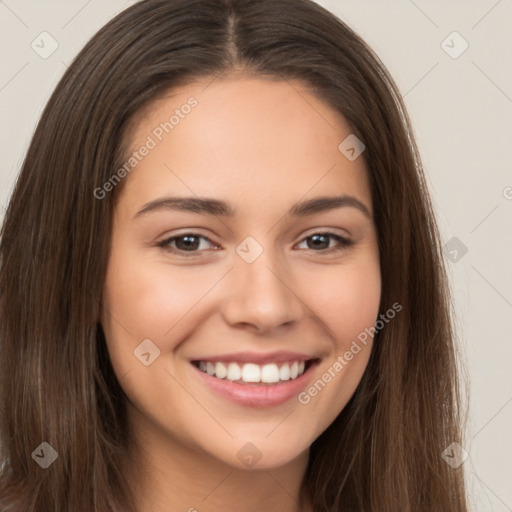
pixel 185 243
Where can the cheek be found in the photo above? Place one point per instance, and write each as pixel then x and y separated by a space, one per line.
pixel 348 308
pixel 142 302
pixel 149 300
pixel 346 299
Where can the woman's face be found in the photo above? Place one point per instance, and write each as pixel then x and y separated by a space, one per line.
pixel 225 259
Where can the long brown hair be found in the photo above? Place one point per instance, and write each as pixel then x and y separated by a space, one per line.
pixel 383 451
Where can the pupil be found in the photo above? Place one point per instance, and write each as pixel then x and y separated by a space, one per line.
pixel 315 238
pixel 188 244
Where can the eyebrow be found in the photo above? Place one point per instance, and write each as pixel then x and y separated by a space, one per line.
pixel 208 206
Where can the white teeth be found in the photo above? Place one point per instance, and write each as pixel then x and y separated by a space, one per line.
pixel 284 372
pixel 220 370
pixel 234 372
pixel 210 368
pixel 270 373
pixel 294 370
pixel 252 373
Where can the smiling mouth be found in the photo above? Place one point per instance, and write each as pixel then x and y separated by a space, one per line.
pixel 250 373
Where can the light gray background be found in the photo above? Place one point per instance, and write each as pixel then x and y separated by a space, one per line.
pixel 461 109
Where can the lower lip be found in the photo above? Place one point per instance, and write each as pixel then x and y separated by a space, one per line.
pixel 258 396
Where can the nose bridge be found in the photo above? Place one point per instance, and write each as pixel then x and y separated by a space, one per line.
pixel 260 289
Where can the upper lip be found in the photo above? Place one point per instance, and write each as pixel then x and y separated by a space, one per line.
pixel 281 356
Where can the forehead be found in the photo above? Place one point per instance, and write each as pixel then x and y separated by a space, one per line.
pixel 243 138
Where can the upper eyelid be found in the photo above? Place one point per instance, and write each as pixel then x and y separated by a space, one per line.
pixel 308 232
pixel 330 233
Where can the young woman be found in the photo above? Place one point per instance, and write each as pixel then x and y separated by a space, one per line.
pixel 221 284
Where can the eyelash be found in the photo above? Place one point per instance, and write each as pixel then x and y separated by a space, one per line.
pixel 343 243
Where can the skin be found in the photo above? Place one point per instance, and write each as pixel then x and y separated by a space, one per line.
pixel 261 146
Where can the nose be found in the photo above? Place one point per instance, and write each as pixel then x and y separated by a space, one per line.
pixel 261 295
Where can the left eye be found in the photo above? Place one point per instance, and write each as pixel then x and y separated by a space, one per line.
pixel 318 241
pixel 191 243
